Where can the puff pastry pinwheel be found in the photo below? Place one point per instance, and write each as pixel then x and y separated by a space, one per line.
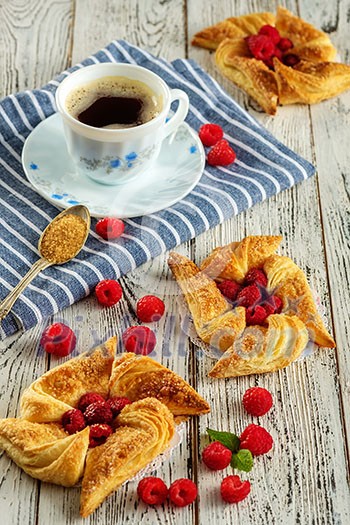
pixel 144 431
pixel 298 69
pixel 50 445
pixel 273 301
pixel 136 377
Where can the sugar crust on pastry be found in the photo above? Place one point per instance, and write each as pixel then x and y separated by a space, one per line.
pixel 60 389
pixel 314 79
pixel 137 377
pixel 286 334
pixel 144 431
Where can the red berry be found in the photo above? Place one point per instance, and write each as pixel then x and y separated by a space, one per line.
pixel 210 134
pixel 98 413
pixel 249 296
pixel 230 289
pixel 221 154
pixel 278 53
pixel 233 490
pixel 257 401
pixel 260 46
pixel 216 456
pixel 256 439
pixel 273 305
pixel 150 308
pixel 256 276
pixel 285 44
pixel 271 32
pixel 88 399
pixel 116 404
pixel 255 315
pixel 58 339
pixel 108 292
pixel 152 490
pixel 99 434
pixel 110 228
pixel 291 60
pixel 182 492
pixel 139 339
pixel 73 421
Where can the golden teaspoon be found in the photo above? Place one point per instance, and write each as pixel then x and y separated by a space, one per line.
pixel 61 240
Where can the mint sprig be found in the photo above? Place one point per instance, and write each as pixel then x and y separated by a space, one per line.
pixel 229 440
pixel 242 460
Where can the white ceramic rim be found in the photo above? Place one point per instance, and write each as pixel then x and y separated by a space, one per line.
pixel 110 69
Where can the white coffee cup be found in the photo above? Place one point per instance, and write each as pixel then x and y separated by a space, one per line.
pixel 113 156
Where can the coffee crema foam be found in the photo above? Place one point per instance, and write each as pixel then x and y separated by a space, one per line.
pixel 83 97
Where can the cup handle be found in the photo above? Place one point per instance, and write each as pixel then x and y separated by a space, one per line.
pixel 180 113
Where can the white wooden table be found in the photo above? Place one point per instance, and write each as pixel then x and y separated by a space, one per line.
pixel 305 479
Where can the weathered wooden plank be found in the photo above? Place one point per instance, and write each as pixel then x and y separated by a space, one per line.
pixel 300 481
pixel 34 42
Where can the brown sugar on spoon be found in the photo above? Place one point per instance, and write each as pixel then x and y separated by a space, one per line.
pixel 63 238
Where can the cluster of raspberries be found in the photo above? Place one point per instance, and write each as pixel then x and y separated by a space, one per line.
pixel 252 294
pixel 216 456
pixel 94 411
pixel 221 153
pixel 268 44
pixel 153 491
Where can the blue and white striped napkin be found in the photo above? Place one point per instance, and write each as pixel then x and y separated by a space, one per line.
pixel 263 168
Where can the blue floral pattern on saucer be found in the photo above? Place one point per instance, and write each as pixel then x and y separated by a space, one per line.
pixel 171 177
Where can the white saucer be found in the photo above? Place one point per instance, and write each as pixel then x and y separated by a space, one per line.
pixel 50 170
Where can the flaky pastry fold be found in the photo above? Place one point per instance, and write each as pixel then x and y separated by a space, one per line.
pixel 138 377
pixel 144 430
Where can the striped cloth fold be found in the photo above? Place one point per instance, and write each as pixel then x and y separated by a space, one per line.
pixel 263 168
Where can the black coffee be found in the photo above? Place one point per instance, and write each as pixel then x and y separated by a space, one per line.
pixel 113 110
pixel 113 102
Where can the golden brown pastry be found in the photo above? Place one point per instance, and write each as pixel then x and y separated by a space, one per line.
pixel 288 281
pixel 261 349
pixel 144 430
pixel 234 260
pixel 45 451
pixel 234 27
pixel 60 389
pixel 312 78
pixel 138 377
pixel 310 83
pixel 214 319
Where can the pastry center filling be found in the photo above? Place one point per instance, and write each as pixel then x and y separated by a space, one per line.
pixel 269 44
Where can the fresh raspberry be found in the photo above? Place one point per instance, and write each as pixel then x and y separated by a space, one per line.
pixel 139 339
pixel 109 228
pixel 152 490
pixel 273 305
pixel 58 339
pixel 73 421
pixel 210 134
pixel 230 289
pixel 89 399
pixel 182 492
pixel 116 404
pixel 260 46
pixel 257 401
pixel 98 413
pixel 221 154
pixel 149 308
pixel 99 434
pixel 291 60
pixel 256 276
pixel 256 439
pixel 278 53
pixel 271 32
pixel 216 456
pixel 249 296
pixel 233 490
pixel 108 292
pixel 285 44
pixel 255 315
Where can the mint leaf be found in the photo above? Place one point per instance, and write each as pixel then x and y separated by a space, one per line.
pixel 243 460
pixel 228 439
